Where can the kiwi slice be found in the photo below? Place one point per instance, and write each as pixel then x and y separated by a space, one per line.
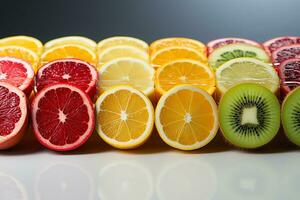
pixel 291 116
pixel 231 51
pixel 249 115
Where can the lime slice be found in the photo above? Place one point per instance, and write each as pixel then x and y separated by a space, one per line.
pixel 250 70
pixel 223 54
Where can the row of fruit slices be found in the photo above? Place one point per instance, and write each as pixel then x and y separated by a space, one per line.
pixel 59 106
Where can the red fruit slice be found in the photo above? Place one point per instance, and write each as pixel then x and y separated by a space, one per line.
pixel 17 72
pixel 289 73
pixel 214 44
pixel 273 44
pixel 62 117
pixel 284 53
pixel 13 115
pixel 72 71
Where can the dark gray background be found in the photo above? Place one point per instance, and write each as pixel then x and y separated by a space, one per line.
pixel 151 19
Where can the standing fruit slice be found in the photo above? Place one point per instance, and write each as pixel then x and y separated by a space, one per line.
pixel 249 115
pixel 284 53
pixel 225 53
pixel 186 117
pixel 184 72
pixel 169 54
pixel 68 70
pixel 289 73
pixel 17 72
pixel 214 44
pixel 290 113
pixel 250 70
pixel 125 117
pixel 13 115
pixel 62 117
pixel 127 71
pixel 177 42
pixel 121 41
pixel 83 41
pixel 275 43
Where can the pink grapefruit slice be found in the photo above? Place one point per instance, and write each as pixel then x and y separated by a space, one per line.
pixel 72 71
pixel 273 44
pixel 62 117
pixel 214 44
pixel 13 115
pixel 284 53
pixel 17 72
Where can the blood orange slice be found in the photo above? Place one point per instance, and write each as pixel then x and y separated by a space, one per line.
pixel 214 44
pixel 72 71
pixel 275 43
pixel 17 72
pixel 289 73
pixel 284 53
pixel 13 115
pixel 62 117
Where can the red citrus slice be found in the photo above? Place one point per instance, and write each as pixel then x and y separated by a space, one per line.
pixel 284 53
pixel 273 44
pixel 72 71
pixel 214 44
pixel 13 115
pixel 17 72
pixel 289 73
pixel 62 117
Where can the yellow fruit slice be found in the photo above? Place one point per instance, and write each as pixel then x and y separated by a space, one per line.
pixel 22 53
pixel 169 54
pixel 184 72
pixel 30 43
pixel 121 41
pixel 127 71
pixel 181 42
pixel 124 117
pixel 69 51
pixel 120 52
pixel 71 40
pixel 186 117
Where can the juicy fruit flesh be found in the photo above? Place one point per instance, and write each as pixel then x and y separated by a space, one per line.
pixel 123 116
pixel 10 112
pixel 286 53
pixel 290 75
pixel 229 41
pixel 187 120
pixel 62 117
pixel 280 43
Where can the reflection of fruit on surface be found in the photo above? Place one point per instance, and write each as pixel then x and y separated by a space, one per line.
pixel 72 71
pixel 186 117
pixel 17 72
pixel 62 117
pixel 62 182
pixel 125 117
pixel 289 73
pixel 11 188
pixel 13 115
pixel 284 53
pixel 83 41
pixel 191 179
pixel 249 115
pixel 125 180
pixel 275 43
pixel 214 44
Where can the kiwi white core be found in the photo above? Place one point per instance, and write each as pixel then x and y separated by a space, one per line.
pixel 249 116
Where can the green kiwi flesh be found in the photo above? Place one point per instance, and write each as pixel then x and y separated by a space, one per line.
pixel 249 115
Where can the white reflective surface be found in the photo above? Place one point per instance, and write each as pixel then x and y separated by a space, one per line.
pixel 155 171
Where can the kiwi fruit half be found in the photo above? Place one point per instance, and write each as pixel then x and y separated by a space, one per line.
pixel 249 115
pixel 290 116
pixel 231 51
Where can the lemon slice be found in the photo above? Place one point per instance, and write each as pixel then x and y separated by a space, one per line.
pixel 121 41
pixel 124 116
pixel 71 40
pixel 186 117
pixel 246 70
pixel 127 71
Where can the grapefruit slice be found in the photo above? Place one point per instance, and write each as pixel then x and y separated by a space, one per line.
pixel 13 115
pixel 289 73
pixel 284 53
pixel 62 117
pixel 214 44
pixel 72 71
pixel 17 72
pixel 275 43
